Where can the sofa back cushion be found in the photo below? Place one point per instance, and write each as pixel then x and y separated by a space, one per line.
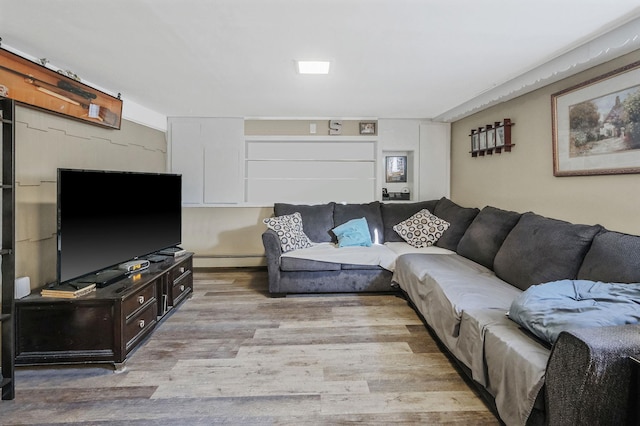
pixel 614 257
pixel 459 219
pixel 485 235
pixel 539 249
pixel 343 213
pixel 394 213
pixel 317 220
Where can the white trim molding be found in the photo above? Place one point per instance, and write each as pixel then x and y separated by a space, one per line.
pixel 610 45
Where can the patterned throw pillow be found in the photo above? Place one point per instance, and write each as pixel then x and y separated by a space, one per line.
pixel 289 230
pixel 422 229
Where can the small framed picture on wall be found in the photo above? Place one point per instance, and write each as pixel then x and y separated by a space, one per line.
pixel 368 128
pixel 396 168
pixel 491 137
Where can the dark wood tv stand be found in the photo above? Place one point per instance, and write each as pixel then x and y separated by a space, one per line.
pixel 104 326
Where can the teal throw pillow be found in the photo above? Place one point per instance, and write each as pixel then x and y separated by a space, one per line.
pixel 353 233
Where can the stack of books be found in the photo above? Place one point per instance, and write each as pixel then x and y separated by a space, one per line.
pixel 67 291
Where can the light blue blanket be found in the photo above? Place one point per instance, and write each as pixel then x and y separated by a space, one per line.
pixel 547 309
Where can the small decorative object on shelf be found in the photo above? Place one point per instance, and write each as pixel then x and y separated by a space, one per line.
pixel 492 138
pixel 335 127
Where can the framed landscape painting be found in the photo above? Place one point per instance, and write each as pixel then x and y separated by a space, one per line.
pixel 596 125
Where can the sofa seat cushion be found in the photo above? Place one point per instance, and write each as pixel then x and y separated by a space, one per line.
pixel 352 267
pixel 539 249
pixel 485 235
pixel 343 213
pixel 459 219
pixel 613 257
pixel 331 254
pixel 443 287
pixel 470 344
pixel 404 248
pixel 297 264
pixel 328 256
pixel 394 213
pixel 317 219
pixel 515 368
pixel 463 302
pixel 354 281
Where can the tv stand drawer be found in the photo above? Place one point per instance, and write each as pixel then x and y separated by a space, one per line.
pixel 139 325
pixel 139 300
pixel 182 282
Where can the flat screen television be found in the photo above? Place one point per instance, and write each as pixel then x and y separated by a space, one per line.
pixel 106 218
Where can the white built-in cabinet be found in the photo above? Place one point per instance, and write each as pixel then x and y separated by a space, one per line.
pixel 426 145
pixel 434 159
pixel 223 167
pixel 209 153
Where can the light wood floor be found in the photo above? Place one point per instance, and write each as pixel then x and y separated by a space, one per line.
pixel 233 355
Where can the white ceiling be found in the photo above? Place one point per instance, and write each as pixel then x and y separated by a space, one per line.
pixel 390 58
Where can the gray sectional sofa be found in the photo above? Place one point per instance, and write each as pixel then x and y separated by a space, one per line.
pixel 494 256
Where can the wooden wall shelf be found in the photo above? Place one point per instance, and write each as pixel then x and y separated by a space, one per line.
pixel 492 138
pixel 7 253
pixel 37 86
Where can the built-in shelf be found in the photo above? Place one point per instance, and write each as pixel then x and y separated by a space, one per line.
pixel 310 138
pixel 398 175
pixel 309 169
pixel 7 237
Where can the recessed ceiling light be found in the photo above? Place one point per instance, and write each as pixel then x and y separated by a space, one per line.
pixel 313 67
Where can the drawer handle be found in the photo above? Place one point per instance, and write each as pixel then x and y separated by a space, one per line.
pixel 141 299
pixel 182 288
pixel 182 270
pixel 141 323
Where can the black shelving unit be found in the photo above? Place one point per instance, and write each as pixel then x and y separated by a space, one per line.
pixel 7 252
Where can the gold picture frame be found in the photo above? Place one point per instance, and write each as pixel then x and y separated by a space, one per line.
pixel 596 125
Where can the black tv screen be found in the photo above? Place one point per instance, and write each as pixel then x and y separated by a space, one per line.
pixel 106 218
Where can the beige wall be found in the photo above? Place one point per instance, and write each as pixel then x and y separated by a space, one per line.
pixel 299 127
pixel 523 180
pixel 225 236
pixel 45 142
